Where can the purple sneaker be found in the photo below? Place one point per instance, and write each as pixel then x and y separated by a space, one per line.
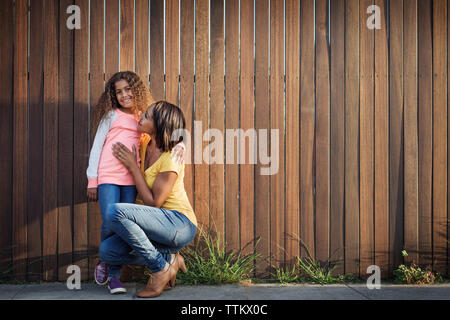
pixel 101 273
pixel 115 286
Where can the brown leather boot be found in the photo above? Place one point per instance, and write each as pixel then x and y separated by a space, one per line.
pixel 157 282
pixel 177 263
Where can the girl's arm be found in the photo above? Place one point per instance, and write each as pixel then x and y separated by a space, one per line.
pixel 162 186
pixel 97 146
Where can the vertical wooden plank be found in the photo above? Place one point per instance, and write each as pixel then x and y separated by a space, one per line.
pixel 425 132
pixel 65 143
pixel 187 88
pixel 35 187
pixel 20 140
pixel 448 152
pixel 231 123
pixel 381 144
pixel 217 169
pixel 307 109
pixel 50 114
pixel 440 135
pixel 247 155
pixel 142 38
pixel 201 180
pixel 292 130
pixel 6 135
pixel 126 35
pixel 81 140
pixel 322 133
pixel 352 59
pixel 277 182
pixel 111 38
pixel 96 89
pixel 366 139
pixel 411 151
pixel 396 137
pixel 172 35
pixel 337 133
pixel 157 49
pixel 262 125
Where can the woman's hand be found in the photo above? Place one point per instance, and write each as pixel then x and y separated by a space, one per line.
pixel 178 153
pixel 124 155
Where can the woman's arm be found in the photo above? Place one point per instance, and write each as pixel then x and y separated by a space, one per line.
pixel 162 186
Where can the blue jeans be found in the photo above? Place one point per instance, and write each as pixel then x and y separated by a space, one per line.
pixel 109 194
pixel 144 236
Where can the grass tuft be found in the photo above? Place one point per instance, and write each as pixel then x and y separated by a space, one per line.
pixel 208 262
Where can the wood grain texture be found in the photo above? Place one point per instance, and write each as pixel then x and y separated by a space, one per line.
pixel 352 137
pixel 6 134
pixel 81 141
pixel 381 144
pixel 20 134
pixel 262 112
pixel 366 141
pixel 277 106
pixel 232 123
pixel 292 131
pixel 50 125
pixel 425 132
pixel 322 133
pixel 440 136
pixel 201 114
pixel 95 90
pixel 157 49
pixel 247 151
pixel 187 89
pixel 307 129
pixel 65 142
pixel 35 150
pixel 217 169
pixel 411 147
pixel 172 50
pixel 127 35
pixel 111 38
pixel 142 41
pixel 397 138
pixel 337 133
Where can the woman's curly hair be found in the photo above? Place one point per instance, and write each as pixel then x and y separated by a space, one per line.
pixel 142 97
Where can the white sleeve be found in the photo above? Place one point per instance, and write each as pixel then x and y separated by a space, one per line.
pixel 97 146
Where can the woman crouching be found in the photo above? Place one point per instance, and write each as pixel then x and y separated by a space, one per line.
pixel 152 232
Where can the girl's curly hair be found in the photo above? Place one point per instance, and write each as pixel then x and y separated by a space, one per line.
pixel 142 97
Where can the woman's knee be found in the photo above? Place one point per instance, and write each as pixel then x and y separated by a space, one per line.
pixel 112 213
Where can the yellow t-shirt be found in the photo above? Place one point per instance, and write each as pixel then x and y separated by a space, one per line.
pixel 177 199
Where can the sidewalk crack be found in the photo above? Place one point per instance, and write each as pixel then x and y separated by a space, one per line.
pixel 360 293
pixel 20 290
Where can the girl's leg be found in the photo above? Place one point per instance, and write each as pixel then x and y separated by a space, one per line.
pixel 128 194
pixel 147 230
pixel 107 194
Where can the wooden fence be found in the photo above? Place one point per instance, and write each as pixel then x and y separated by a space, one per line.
pixel 361 114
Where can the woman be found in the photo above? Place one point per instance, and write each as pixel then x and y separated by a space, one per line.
pixel 150 233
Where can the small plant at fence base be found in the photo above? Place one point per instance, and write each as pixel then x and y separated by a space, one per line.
pixel 208 262
pixel 414 274
pixel 306 269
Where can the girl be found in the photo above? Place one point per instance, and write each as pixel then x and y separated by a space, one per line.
pixel 116 119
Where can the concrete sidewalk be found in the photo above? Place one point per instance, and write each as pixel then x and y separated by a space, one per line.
pixel 90 291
